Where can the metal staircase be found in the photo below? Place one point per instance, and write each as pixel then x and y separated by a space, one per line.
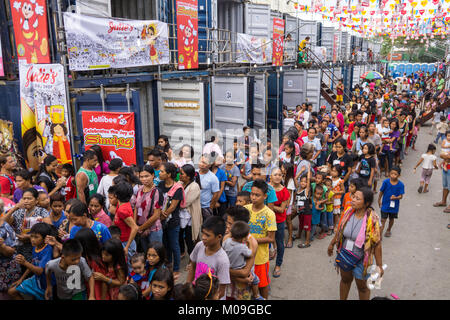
pixel 326 92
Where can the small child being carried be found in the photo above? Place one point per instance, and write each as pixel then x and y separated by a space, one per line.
pixel 237 250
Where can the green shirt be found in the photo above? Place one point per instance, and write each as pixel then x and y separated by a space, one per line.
pixel 92 184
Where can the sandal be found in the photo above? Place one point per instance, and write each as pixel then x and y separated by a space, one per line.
pixel 448 226
pixel 276 274
pixel 289 245
pixel 321 236
pixel 447 210
pixel 387 234
pixel 439 204
pixel 272 254
pixel 304 245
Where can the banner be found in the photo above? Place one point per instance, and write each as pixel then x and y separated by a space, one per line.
pixel 44 115
pixel 187 34
pixel 102 43
pixel 30 30
pixel 253 49
pixel 336 47
pixel 2 72
pixel 278 35
pixel 114 132
pixel 321 53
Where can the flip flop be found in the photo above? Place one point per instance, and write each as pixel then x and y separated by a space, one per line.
pixel 387 234
pixel 276 274
pixel 439 204
pixel 289 246
pixel 447 210
pixel 303 245
pixel 322 235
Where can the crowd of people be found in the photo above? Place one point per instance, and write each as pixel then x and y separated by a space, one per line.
pixel 110 232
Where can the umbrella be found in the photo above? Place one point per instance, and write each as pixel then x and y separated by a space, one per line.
pixel 370 75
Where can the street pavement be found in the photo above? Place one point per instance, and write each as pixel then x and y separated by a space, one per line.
pixel 417 254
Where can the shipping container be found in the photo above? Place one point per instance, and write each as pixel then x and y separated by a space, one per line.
pixel 345 46
pixel 183 112
pixel 291 26
pixel 230 101
pixel 364 44
pixel 139 9
pixel 347 79
pixel 98 8
pixel 356 77
pixel 257 20
pixel 327 40
pixel 312 87
pixel 258 116
pixel 275 94
pixel 294 88
pixel 230 21
pixel 309 29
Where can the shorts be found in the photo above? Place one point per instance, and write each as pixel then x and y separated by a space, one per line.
pixel 30 287
pixel 446 179
pixel 390 215
pixel 426 175
pixel 262 271
pixel 339 98
pixel 304 222
pixel 358 271
pixel 255 278
pixel 337 211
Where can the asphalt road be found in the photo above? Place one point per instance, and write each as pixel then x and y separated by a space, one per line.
pixel 417 254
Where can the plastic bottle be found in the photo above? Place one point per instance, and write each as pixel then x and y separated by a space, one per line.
pixel 374 281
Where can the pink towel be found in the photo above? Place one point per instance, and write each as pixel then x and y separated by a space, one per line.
pixel 362 233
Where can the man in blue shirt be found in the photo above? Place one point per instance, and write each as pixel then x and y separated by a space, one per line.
pixel 391 192
pixel 257 173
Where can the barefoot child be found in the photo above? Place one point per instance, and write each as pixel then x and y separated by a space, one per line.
pixel 391 193
pixel 317 207
pixel 338 190
pixel 428 161
pixel 303 203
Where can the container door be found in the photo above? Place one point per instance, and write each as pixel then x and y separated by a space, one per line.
pixel 260 100
pixel 114 102
pixel 294 88
pixel 275 101
pixel 313 87
pixel 291 27
pixel 10 93
pixel 181 111
pixel 229 106
pixel 308 29
pixel 328 41
pixel 356 75
pixel 257 20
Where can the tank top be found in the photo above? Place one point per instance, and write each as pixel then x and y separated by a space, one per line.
pixel 92 184
pixel 303 202
pixel 446 147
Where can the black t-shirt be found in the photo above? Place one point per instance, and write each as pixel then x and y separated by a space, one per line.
pixel 303 202
pixel 50 181
pixel 366 166
pixel 345 162
pixel 175 219
pixel 373 106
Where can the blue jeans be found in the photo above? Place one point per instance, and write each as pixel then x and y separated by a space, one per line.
pixel 131 252
pixel 231 201
pixel 439 137
pixel 172 245
pixel 279 238
pixel 313 231
pixel 324 221
pixel 330 220
pixel 322 158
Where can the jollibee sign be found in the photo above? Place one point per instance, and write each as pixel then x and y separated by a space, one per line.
pixel 114 132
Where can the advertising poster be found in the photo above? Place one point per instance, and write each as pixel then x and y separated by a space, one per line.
pixel 114 132
pixel 102 43
pixel 253 49
pixel 336 46
pixel 321 53
pixel 30 30
pixel 2 71
pixel 278 43
pixel 43 103
pixel 187 34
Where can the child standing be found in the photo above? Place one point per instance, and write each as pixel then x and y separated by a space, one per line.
pixel 338 190
pixel 442 128
pixel 232 173
pixel 328 220
pixel 57 206
pixel 69 267
pixel 36 285
pixel 70 190
pixel 243 198
pixel 303 204
pixel 209 255
pixel 429 162
pixel 113 258
pixel 317 208
pixel 238 248
pixel 391 193
pixel 262 227
pixel 162 284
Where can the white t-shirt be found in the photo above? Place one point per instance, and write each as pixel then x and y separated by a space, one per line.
pixel 384 132
pixel 103 187
pixel 428 160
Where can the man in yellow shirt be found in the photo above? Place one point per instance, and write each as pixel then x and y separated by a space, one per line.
pixel 262 227
pixel 302 51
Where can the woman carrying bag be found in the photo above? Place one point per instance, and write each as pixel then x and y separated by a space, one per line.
pixel 357 240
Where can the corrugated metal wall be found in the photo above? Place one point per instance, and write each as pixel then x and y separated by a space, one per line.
pixel 327 41
pixel 140 9
pixel 257 20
